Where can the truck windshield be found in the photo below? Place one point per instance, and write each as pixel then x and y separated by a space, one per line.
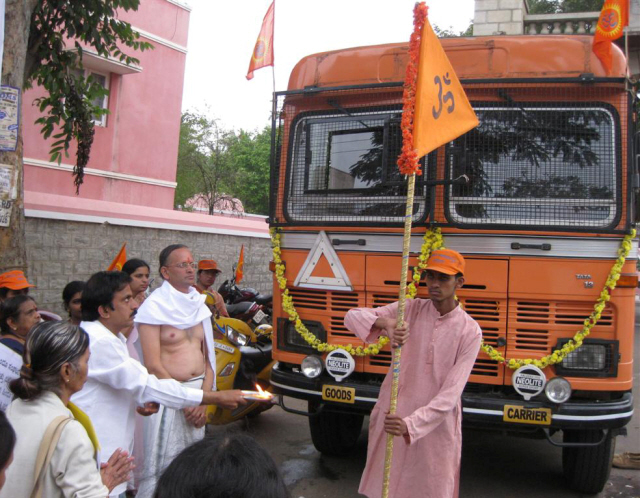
pixel 343 169
pixel 531 165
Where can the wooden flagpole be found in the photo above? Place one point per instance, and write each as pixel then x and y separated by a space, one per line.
pixel 402 300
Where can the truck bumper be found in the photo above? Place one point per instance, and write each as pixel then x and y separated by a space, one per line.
pixel 484 411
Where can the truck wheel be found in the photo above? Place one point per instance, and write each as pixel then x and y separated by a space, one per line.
pixel 333 433
pixel 587 469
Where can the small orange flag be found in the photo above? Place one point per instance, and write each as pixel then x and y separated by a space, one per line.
pixel 614 16
pixel 263 51
pixel 119 261
pixel 240 267
pixel 443 111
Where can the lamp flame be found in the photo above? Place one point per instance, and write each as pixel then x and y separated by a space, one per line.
pixel 258 394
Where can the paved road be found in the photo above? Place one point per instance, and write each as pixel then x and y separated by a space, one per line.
pixel 492 465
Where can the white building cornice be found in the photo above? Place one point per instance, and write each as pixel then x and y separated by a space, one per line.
pixel 99 172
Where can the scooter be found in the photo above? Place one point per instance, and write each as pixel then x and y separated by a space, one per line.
pixel 243 361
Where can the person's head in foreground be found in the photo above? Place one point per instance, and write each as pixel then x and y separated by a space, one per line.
pixel 55 359
pixel 12 284
pixel 222 466
pixel 445 274
pixel 72 300
pixel 7 442
pixel 107 298
pixel 177 267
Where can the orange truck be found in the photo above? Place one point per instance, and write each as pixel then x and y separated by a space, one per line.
pixel 537 198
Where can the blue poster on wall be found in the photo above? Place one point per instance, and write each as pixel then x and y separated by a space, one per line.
pixel 9 117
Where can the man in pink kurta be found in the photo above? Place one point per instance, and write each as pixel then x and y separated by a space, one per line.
pixel 436 363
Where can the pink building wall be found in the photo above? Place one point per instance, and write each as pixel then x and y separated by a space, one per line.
pixel 133 158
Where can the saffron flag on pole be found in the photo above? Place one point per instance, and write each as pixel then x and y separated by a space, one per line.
pixel 614 16
pixel 262 55
pixel 443 111
pixel 240 267
pixel 119 261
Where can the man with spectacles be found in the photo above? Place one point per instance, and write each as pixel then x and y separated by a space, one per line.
pixel 176 336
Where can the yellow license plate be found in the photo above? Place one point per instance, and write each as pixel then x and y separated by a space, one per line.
pixel 339 394
pixel 522 415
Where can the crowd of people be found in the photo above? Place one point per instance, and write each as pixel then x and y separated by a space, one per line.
pixel 111 401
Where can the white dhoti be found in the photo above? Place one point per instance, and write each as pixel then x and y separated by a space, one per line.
pixel 166 434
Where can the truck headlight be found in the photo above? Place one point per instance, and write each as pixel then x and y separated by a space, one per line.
pixel 312 366
pixel 558 390
pixel 595 358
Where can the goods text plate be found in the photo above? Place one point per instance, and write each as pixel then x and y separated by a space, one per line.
pixel 339 394
pixel 522 415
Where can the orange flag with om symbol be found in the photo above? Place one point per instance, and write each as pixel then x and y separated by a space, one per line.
pixel 614 16
pixel 119 261
pixel 443 111
pixel 262 55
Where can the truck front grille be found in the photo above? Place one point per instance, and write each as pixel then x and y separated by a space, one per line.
pixel 534 322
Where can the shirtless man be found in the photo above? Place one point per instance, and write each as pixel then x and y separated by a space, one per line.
pixel 177 343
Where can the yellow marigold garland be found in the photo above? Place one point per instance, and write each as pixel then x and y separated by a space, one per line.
pixel 560 354
pixel 433 240
pixel 287 306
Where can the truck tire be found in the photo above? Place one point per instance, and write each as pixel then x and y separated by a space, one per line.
pixel 587 469
pixel 333 433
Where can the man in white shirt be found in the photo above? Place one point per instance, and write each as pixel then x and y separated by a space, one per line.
pixel 116 383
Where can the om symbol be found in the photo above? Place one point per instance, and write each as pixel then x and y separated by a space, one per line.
pixel 609 20
pixel 448 97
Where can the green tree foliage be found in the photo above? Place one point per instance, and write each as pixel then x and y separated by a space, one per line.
pixel 249 154
pixel 563 6
pixel 450 33
pixel 69 104
pixel 220 166
pixel 204 170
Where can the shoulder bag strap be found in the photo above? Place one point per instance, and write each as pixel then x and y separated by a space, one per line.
pixel 45 452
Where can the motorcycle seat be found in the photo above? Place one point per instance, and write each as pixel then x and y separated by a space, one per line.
pixel 263 298
pixel 238 308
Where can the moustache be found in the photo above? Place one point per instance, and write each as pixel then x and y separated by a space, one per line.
pixel 134 313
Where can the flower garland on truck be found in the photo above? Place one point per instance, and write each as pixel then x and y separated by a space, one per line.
pixel 434 240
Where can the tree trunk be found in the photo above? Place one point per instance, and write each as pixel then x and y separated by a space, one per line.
pixel 16 37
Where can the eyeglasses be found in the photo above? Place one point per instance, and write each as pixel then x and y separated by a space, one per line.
pixel 184 266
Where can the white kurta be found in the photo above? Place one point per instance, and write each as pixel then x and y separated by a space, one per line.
pixel 73 470
pixel 116 385
pixel 436 362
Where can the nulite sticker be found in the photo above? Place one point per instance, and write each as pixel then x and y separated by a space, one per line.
pixel 340 364
pixel 528 381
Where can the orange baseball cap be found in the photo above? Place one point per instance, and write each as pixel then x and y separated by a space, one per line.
pixel 446 261
pixel 14 280
pixel 208 264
